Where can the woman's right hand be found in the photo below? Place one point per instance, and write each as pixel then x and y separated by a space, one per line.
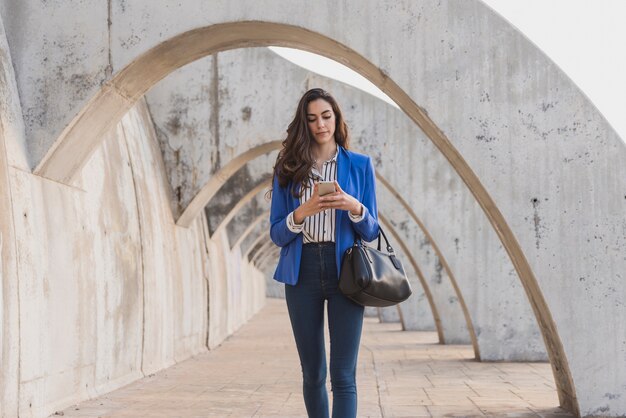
pixel 308 208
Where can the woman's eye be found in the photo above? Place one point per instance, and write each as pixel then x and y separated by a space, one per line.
pixel 323 117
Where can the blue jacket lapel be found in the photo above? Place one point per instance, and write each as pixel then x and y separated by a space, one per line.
pixel 343 177
pixel 343 168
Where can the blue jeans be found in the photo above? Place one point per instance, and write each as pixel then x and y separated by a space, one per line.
pixel 317 282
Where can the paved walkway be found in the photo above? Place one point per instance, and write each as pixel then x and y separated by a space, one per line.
pixel 256 373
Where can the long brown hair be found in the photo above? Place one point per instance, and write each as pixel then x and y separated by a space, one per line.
pixel 295 160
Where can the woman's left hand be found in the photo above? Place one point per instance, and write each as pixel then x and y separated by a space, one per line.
pixel 341 200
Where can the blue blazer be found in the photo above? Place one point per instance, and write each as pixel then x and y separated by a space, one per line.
pixel 355 175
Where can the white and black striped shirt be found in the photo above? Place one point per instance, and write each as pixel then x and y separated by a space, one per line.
pixel 321 226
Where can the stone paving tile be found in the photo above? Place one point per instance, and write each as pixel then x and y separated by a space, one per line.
pixel 256 373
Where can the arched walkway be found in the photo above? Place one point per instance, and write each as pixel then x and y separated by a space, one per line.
pixel 118 95
pixel 78 140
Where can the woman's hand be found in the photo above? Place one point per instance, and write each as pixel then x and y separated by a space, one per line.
pixel 308 208
pixel 340 200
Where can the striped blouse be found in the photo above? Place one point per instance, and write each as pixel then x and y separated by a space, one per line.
pixel 321 226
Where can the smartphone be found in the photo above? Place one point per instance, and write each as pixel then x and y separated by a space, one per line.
pixel 325 187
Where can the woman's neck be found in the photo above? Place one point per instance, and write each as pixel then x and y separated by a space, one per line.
pixel 324 152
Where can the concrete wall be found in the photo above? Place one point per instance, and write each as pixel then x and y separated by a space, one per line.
pixel 110 289
pixel 11 125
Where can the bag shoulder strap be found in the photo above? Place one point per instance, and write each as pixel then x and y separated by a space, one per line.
pixel 359 241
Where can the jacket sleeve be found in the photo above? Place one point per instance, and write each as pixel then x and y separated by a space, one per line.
pixel 280 234
pixel 368 228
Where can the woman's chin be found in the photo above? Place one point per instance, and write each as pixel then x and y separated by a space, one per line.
pixel 324 139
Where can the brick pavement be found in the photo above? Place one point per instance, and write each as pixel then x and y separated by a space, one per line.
pixel 256 373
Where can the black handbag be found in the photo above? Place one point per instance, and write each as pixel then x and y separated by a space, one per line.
pixel 371 277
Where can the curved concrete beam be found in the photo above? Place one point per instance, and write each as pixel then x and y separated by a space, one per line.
pixel 264 263
pixel 264 252
pixel 262 243
pixel 205 194
pixel 261 251
pixel 250 228
pixel 248 196
pixel 252 246
pixel 85 132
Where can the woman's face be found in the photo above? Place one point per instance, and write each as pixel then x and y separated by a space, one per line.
pixel 321 120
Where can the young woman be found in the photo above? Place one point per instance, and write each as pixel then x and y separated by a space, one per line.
pixel 313 232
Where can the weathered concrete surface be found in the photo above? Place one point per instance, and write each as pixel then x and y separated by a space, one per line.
pixel 416 312
pixel 264 250
pixel 59 36
pixel 104 266
pixel 174 297
pixel 371 312
pixel 11 125
pixel 260 231
pixel 79 278
pixel 246 216
pixel 253 228
pixel 450 315
pixel 185 113
pixel 526 132
pixel 232 284
pixel 419 311
pixel 205 116
pixel 223 205
pixel 257 236
pixel 389 314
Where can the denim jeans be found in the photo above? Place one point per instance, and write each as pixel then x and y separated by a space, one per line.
pixel 317 282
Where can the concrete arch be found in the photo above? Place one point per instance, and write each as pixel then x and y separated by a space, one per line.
pixel 79 139
pixel 262 264
pixel 254 244
pixel 205 194
pixel 261 251
pixel 249 229
pixel 241 203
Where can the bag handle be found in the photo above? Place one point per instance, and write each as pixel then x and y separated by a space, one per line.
pixel 359 241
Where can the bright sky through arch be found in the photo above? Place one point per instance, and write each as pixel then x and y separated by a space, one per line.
pixel 331 69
